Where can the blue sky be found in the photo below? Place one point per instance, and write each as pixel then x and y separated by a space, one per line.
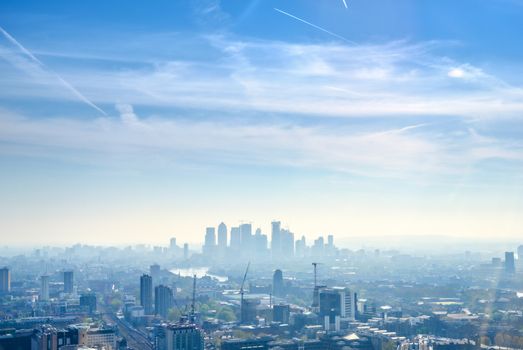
pixel 129 121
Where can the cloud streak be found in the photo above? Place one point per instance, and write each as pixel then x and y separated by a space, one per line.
pixel 41 65
pixel 315 26
pixel 394 109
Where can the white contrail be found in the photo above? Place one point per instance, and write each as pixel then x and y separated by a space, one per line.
pixel 345 3
pixel 317 27
pixel 42 66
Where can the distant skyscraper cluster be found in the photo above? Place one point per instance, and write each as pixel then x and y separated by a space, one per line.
pixel 173 250
pixel 243 242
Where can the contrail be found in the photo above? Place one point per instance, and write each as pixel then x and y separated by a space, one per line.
pixel 345 3
pixel 317 27
pixel 42 66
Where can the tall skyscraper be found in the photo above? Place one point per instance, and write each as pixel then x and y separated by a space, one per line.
pixel 235 238
pixel 278 289
pixel 178 337
pixel 163 300
pixel 172 243
pixel 44 287
pixel 68 281
pixel 5 280
pixel 287 243
pixel 146 294
pixel 222 236
pixel 260 243
pixel 154 272
pixel 510 266
pixel 210 241
pixel 520 252
pixel 275 238
pixel 246 238
pixel 329 247
pixel 318 247
pixel 300 247
pixel 185 251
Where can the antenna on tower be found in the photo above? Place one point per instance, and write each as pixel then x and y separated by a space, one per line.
pixel 315 264
pixel 315 293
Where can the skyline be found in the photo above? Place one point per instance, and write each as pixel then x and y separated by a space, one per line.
pixel 137 122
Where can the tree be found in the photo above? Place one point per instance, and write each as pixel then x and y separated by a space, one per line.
pixel 226 314
pixel 174 314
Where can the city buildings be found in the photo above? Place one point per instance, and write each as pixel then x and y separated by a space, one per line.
pixel 172 244
pixel 44 288
pixel 5 280
pixel 286 244
pixel 249 246
pixel 185 251
pixel 88 302
pixel 163 300
pixel 68 281
pixel 260 244
pixel 281 313
pixel 301 247
pixel 276 238
pixel 96 337
pixel 178 337
pixel 222 237
pixel 397 301
pixel 510 266
pixel 278 288
pixel 146 294
pixel 246 239
pixel 336 304
pixel 209 247
pixel 249 310
pixel 154 272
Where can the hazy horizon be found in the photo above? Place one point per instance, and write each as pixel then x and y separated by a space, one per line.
pixel 137 122
pixel 421 244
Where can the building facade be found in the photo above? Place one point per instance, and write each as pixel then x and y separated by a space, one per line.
pixel 146 294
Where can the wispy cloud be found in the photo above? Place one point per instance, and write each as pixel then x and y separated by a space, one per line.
pixel 405 152
pixel 328 80
pixel 35 63
pixel 269 86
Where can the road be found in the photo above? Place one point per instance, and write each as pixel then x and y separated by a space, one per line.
pixel 135 338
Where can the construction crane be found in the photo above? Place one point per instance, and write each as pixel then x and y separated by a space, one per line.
pixel 192 317
pixel 315 295
pixel 242 291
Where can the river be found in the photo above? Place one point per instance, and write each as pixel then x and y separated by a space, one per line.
pixel 198 271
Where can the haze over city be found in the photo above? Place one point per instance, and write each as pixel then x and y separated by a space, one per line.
pixel 261 175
